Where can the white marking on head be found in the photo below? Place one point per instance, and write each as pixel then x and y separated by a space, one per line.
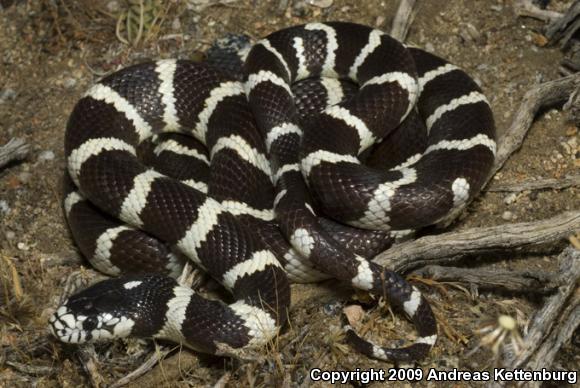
pixel 123 327
pixel 132 284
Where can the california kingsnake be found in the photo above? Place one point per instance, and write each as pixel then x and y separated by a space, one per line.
pixel 275 168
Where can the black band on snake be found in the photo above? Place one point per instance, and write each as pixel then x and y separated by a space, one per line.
pixel 337 141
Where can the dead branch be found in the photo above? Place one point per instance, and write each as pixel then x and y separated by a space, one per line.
pixel 451 247
pixel 160 353
pixel 545 94
pixel 563 28
pixel 529 9
pixel 544 320
pixel 403 19
pixel 89 359
pixel 15 149
pixel 487 278
pixel 554 324
pixel 539 184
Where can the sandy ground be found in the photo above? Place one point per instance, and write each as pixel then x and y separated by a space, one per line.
pixel 52 51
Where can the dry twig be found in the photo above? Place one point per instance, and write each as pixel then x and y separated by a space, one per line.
pixel 543 95
pixel 563 28
pixel 487 278
pixel 538 184
pixel 403 19
pixel 528 8
pixel 553 325
pixel 15 149
pixel 451 247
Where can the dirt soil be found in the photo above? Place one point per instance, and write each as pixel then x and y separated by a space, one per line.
pixel 52 51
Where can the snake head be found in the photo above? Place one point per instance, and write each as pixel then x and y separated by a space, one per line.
pixel 113 308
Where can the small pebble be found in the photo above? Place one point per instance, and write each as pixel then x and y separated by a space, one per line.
pixel 113 6
pixel 4 208
pixel 46 156
pixel 320 3
pixel 7 94
pixel 507 215
pixel 24 176
pixel 22 246
pixel 510 198
pixel 10 235
pixel 69 83
pixel 429 47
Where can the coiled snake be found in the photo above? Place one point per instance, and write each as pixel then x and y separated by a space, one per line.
pixel 269 184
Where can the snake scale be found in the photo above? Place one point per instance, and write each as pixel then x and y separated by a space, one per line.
pixel 336 141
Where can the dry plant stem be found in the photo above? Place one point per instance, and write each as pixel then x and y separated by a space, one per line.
pixel 15 149
pixel 223 381
pixel 548 319
pixel 512 281
pixel 554 324
pixel 527 8
pixel 563 28
pixel 158 355
pixel 34 370
pixel 403 19
pixel 171 368
pixel 88 357
pixel 539 184
pixel 451 247
pixel 545 94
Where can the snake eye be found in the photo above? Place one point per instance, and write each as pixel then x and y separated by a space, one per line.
pixel 88 306
pixel 90 323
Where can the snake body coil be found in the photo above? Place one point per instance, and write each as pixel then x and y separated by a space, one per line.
pixel 268 185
